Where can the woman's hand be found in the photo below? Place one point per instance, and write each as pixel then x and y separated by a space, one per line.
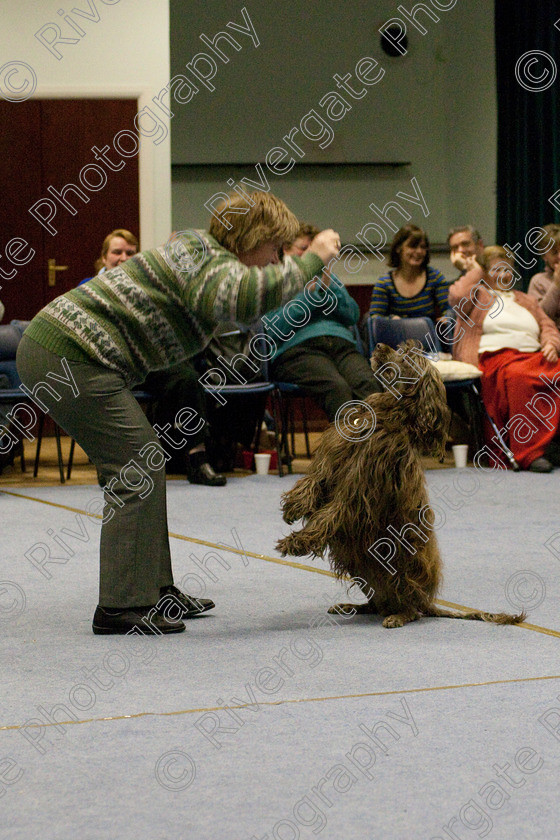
pixel 326 245
pixel 464 263
pixel 549 352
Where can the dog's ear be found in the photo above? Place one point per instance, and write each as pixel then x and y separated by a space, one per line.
pixel 382 354
pixel 399 370
pixel 432 415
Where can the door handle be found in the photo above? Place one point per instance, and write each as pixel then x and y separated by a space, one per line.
pixel 53 268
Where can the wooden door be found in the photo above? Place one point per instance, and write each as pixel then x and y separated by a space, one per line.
pixel 50 143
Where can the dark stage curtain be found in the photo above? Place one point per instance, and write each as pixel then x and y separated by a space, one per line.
pixel 528 118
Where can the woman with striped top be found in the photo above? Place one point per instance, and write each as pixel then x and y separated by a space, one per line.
pixel 413 289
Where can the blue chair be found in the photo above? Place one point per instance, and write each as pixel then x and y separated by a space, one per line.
pixel 262 387
pixel 9 397
pixel 288 392
pixel 393 331
pixel 10 336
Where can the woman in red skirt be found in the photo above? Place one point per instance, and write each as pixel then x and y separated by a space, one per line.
pixel 509 337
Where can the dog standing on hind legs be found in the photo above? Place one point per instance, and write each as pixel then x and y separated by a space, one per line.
pixel 365 498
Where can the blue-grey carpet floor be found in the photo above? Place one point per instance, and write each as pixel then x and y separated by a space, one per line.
pixel 267 718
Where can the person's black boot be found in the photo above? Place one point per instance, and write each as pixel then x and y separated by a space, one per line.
pixel 199 471
pixel 540 465
pixel 552 453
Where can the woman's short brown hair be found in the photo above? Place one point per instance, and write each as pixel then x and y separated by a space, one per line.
pixel 407 232
pixel 267 218
pixel 307 229
pixel 124 234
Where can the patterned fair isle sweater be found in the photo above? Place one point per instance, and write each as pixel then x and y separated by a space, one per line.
pixel 161 306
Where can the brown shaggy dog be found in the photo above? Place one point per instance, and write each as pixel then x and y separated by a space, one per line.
pixel 365 498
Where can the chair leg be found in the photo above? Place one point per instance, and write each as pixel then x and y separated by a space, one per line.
pixel 70 459
pixel 39 442
pixel 287 427
pixel 291 424
pixel 257 436
pixel 277 413
pixel 505 448
pixel 282 443
pixel 305 428
pixel 291 419
pixel 59 453
pixel 478 409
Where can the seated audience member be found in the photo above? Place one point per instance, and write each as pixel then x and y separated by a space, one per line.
pixel 514 343
pixel 174 388
pixel 320 356
pixel 466 247
pixel 2 310
pixel 118 246
pixel 413 289
pixel 545 286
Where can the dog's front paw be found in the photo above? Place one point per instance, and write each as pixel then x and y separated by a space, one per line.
pixel 283 546
pixel 292 511
pixel 295 544
pixel 291 544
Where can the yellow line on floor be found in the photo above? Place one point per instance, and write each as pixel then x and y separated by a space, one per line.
pixel 202 710
pixel 51 504
pixel 186 539
pixel 460 607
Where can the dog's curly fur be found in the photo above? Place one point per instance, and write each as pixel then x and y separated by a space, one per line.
pixel 360 484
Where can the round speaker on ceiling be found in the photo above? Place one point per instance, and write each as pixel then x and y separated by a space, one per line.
pixel 393 42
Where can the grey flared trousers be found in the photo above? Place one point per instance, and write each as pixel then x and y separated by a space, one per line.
pixel 95 406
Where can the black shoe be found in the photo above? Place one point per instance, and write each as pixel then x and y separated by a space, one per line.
pixel 540 465
pixel 552 453
pixel 192 606
pixel 139 620
pixel 199 471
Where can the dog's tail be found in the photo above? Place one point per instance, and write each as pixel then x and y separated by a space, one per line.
pixel 493 618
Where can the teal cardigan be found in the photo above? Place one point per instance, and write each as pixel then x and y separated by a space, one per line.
pixel 323 311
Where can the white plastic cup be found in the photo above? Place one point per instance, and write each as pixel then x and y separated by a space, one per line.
pixel 460 454
pixel 262 462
